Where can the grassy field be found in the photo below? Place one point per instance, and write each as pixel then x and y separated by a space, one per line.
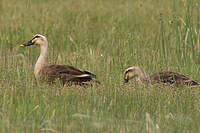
pixel 104 37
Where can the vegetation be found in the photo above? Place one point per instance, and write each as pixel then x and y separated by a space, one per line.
pixel 104 37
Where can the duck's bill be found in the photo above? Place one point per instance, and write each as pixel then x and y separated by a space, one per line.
pixel 125 80
pixel 29 43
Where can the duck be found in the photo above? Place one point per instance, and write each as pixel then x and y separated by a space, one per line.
pixel 165 78
pixel 50 72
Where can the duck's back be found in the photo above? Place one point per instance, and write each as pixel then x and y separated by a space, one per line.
pixel 66 73
pixel 172 78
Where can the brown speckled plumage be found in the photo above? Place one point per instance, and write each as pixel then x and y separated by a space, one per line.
pixel 172 78
pixel 67 74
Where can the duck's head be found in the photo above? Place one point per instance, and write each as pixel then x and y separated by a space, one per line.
pixel 130 73
pixel 37 39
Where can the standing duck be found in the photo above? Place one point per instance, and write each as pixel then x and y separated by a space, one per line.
pixel 170 78
pixel 44 71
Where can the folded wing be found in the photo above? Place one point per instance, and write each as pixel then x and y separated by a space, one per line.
pixel 67 74
pixel 172 78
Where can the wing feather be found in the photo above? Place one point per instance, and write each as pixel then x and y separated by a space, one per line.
pixel 65 73
pixel 172 78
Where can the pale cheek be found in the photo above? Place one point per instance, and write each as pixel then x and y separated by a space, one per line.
pixel 37 43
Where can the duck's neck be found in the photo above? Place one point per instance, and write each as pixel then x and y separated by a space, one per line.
pixel 42 60
pixel 142 77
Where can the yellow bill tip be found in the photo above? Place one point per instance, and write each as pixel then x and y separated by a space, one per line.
pixel 21 45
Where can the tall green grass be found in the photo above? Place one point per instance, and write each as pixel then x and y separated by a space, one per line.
pixel 104 37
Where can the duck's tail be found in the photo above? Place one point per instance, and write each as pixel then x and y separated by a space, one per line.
pixel 192 83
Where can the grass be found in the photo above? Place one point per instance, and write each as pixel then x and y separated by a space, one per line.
pixel 104 37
